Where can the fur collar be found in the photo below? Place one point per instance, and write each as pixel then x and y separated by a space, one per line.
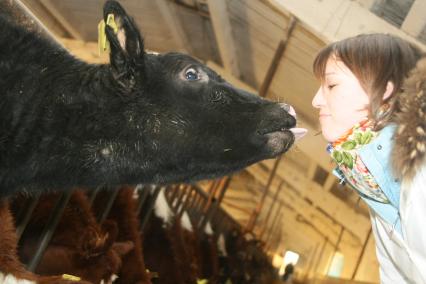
pixel 410 137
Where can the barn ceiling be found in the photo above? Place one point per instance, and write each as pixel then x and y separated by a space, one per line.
pixel 266 46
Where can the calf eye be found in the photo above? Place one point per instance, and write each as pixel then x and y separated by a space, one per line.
pixel 191 75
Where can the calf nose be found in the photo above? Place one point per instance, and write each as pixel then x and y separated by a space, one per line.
pixel 289 109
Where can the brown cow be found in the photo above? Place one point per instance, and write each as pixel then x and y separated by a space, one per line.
pixel 84 248
pixel 123 212
pixel 12 268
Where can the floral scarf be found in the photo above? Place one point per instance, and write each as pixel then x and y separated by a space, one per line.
pixel 345 152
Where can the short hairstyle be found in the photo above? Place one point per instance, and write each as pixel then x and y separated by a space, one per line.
pixel 375 59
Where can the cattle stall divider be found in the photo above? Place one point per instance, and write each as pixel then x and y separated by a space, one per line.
pixel 189 198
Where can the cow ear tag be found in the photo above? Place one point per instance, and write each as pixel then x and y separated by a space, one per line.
pixel 71 277
pixel 103 43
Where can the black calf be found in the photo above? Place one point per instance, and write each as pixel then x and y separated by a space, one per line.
pixel 143 118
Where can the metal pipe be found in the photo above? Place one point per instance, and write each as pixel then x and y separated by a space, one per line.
pixel 93 195
pixel 49 229
pixel 182 191
pixel 336 247
pixel 256 212
pixel 104 214
pixel 311 262
pixel 268 215
pixel 320 255
pixel 26 218
pixel 212 192
pixel 39 23
pixel 273 223
pixel 142 199
pixel 151 205
pixel 216 202
pixel 186 198
pixel 174 189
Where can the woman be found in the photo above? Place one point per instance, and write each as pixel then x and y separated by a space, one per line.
pixel 376 127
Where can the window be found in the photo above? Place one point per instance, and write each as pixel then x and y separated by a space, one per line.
pixel 289 257
pixel 392 11
pixel 336 266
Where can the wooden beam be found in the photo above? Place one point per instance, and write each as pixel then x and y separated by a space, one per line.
pixel 171 18
pixel 239 207
pixel 224 37
pixel 24 7
pixel 227 75
pixel 279 53
pixel 87 51
pixel 48 20
pixel 240 193
pixel 49 6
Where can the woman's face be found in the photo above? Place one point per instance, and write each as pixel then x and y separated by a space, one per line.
pixel 341 101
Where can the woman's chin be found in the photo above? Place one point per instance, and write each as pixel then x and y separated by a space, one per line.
pixel 329 136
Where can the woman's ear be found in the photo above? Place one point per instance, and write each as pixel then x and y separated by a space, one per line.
pixel 390 87
pixel 126 43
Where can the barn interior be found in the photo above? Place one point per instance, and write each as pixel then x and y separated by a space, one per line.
pixel 293 205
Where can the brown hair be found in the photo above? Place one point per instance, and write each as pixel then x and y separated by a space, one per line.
pixel 375 59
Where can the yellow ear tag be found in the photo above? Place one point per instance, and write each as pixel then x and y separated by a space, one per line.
pixel 70 277
pixel 202 281
pixel 103 43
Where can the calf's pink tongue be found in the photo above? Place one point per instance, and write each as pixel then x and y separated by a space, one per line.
pixel 298 132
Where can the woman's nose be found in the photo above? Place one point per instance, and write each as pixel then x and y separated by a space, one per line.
pixel 318 99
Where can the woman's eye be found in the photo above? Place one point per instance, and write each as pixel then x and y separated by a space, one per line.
pixel 331 86
pixel 191 75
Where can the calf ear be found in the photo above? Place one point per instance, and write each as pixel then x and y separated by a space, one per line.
pixel 126 43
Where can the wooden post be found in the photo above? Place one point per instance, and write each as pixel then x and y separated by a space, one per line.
pixel 279 53
pixel 37 21
pixel 223 33
pixel 61 19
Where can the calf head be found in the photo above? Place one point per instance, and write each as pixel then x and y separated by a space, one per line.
pixel 186 122
pixel 143 118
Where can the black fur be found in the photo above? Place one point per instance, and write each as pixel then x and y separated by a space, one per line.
pixel 64 122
